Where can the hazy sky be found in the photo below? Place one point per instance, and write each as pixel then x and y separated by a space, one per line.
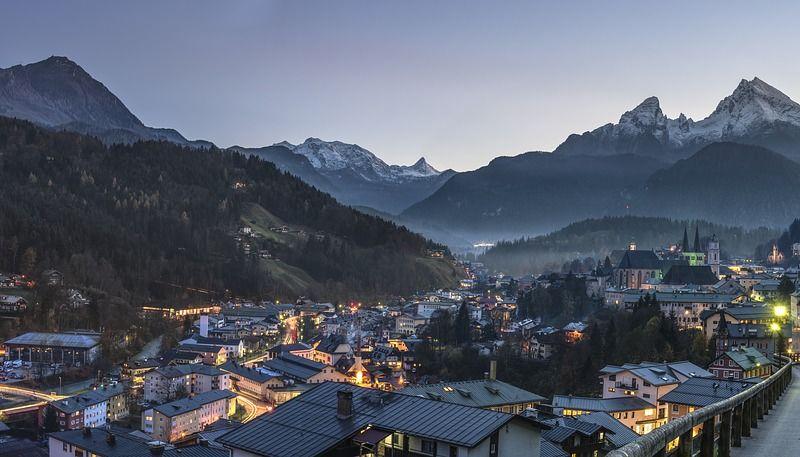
pixel 459 82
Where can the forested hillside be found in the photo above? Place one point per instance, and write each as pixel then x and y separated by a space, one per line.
pixel 597 237
pixel 127 219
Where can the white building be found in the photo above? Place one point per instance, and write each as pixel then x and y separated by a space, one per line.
pixel 165 383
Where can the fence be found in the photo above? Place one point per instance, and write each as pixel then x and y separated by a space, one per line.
pixel 737 415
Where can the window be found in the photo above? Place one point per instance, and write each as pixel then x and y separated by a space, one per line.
pixel 646 395
pixel 64 446
pixel 428 447
pixel 674 408
pixel 612 377
pixel 453 451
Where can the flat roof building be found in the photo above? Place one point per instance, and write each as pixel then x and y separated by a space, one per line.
pixel 69 348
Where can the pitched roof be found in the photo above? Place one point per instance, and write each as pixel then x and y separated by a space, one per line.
pixel 608 405
pixel 97 443
pixel 699 275
pixel 252 374
pixel 308 426
pixel 548 449
pixel 481 393
pixel 184 405
pixel 702 392
pixel 640 260
pixel 747 358
pixel 565 427
pixel 660 374
pixel 620 434
pixel 174 371
pixel 294 366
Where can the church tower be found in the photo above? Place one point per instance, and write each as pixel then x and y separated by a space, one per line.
pixel 713 254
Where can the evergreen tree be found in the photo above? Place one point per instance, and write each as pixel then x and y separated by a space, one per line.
pixel 462 325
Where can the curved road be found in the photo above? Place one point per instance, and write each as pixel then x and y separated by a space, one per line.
pixel 777 435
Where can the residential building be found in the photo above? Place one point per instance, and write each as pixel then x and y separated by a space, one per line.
pixel 575 437
pixel 209 354
pixel 134 370
pixel 79 411
pixel 701 392
pixel 234 347
pixel 176 420
pixel 687 307
pixel 758 336
pixel 330 349
pixel 741 363
pixel 170 382
pixel 487 393
pixel 253 381
pixel 304 370
pixel 636 414
pixel 749 313
pixel 332 419
pixel 481 393
pixel 647 380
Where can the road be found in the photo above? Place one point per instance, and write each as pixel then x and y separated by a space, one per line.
pixel 252 405
pixel 777 435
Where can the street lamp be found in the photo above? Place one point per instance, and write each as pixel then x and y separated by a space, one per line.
pixel 776 328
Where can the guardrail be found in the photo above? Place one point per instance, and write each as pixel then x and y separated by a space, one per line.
pixel 737 415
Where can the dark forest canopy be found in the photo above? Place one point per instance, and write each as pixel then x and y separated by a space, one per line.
pixel 122 219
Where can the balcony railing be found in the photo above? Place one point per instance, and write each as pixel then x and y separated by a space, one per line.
pixel 737 415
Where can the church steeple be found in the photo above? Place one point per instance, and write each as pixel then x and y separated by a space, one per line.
pixel 696 247
pixel 685 244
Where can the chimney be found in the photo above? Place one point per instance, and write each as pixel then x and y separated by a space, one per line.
pixel 157 448
pixel 344 405
pixel 492 370
pixel 87 431
pixel 204 325
pixel 111 439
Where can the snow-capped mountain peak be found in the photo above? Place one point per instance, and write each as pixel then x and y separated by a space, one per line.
pixel 754 108
pixel 336 157
pixel 757 101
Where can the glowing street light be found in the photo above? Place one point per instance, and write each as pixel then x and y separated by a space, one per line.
pixel 779 311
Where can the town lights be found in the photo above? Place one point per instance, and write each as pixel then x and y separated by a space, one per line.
pixel 774 327
pixel 779 311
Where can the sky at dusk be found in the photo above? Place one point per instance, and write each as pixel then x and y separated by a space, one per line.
pixel 459 82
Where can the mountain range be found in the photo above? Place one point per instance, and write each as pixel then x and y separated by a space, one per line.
pixel 57 93
pixel 736 167
pixel 353 174
pixel 157 221
pixel 755 113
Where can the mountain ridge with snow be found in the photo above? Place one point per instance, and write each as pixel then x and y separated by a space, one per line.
pixel 334 156
pixel 753 113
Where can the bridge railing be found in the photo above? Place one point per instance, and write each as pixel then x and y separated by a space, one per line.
pixel 736 416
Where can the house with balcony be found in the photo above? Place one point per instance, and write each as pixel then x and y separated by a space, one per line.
pixel 648 381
